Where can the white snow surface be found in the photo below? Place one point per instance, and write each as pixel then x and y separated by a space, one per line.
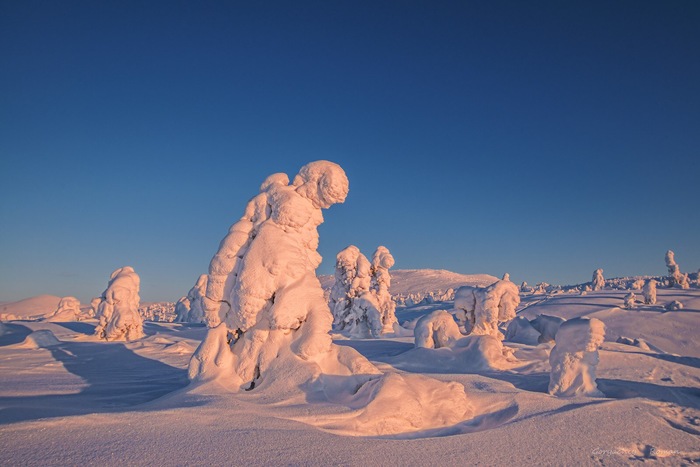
pixel 58 402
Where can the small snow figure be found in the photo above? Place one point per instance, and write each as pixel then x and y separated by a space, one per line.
pixel 190 309
pixel 674 306
pixel 630 301
pixel 506 277
pixel 118 311
pixel 598 282
pixel 485 307
pixel 649 292
pixel 436 329
pixel 382 260
pixel 574 358
pixel 675 277
pixel 68 310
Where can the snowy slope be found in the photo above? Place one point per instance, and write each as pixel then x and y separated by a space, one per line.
pixel 420 281
pixel 29 308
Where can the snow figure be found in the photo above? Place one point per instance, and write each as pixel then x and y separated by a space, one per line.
pixel 649 292
pixel 674 306
pixel 94 305
pixel 574 358
pixel 273 337
pixel 598 282
pixel 182 310
pixel 487 306
pixel 68 310
pixel 191 309
pixel 675 277
pixel 382 260
pixel 436 329
pixel 506 277
pixel 118 311
pixel 352 281
pixel 630 301
pixel 547 326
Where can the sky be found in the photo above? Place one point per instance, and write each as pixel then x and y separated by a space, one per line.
pixel 544 139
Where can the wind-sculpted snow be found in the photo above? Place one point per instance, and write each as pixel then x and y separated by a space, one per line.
pixel 489 306
pixel 436 329
pixel 118 310
pixel 574 358
pixel 273 325
pixel 68 310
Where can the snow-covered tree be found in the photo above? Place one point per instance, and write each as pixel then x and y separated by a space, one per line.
pixel 275 322
pixel 486 307
pixel 191 309
pixel 436 329
pixel 118 310
pixel 382 260
pixel 649 292
pixel 630 301
pixel 68 310
pixel 574 358
pixel 352 281
pixel 598 282
pixel 675 276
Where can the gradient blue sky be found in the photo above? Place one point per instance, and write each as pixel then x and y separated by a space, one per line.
pixel 545 139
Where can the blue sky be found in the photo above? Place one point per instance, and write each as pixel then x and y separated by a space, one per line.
pixel 545 139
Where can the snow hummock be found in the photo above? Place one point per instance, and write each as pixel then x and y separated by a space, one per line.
pixel 118 310
pixel 486 307
pixel 274 331
pixel 40 339
pixel 547 326
pixel 68 310
pixel 190 309
pixel 574 358
pixel 435 330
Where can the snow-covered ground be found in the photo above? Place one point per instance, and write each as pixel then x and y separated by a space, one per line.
pixel 67 398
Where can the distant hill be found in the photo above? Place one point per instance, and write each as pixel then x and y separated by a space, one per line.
pixel 422 281
pixel 33 307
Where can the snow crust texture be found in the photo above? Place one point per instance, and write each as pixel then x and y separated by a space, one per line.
pixel 574 358
pixel 118 310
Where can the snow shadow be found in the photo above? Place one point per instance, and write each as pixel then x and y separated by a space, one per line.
pixel 622 389
pixel 376 349
pixel 81 328
pixel 117 380
pixel 11 334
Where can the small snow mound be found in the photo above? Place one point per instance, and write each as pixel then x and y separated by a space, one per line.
pixel 547 326
pixel 435 330
pixel 641 343
pixel 39 340
pixel 674 306
pixel 521 331
pixel 396 404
